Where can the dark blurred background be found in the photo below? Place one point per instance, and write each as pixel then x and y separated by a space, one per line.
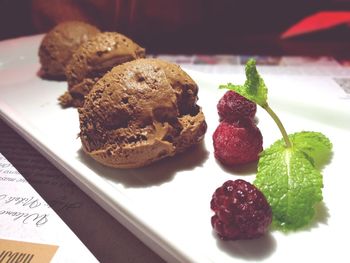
pixel 189 26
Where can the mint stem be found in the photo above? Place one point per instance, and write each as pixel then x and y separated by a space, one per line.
pixel 279 124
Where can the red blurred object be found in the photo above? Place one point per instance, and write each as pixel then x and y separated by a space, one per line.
pixel 317 22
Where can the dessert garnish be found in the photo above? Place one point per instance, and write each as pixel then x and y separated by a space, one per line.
pixel 241 211
pixel 233 107
pixel 237 140
pixel 237 143
pixel 289 170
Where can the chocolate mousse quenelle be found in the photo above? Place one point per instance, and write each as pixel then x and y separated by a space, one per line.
pixel 59 44
pixel 92 60
pixel 140 112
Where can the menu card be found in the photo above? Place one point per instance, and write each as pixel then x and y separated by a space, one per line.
pixel 30 231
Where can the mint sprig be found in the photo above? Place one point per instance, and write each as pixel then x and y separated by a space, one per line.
pixel 254 89
pixel 288 173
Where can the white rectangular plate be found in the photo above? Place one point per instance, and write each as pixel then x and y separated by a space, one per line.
pixel 167 204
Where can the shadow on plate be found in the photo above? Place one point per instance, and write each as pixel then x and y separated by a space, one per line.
pixel 243 169
pixel 251 250
pixel 154 174
pixel 263 248
pixel 41 74
pixel 321 217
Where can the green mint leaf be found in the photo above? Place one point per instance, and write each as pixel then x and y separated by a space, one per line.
pixel 254 88
pixel 291 184
pixel 314 144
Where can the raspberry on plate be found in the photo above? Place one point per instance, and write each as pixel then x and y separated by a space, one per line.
pixel 241 211
pixel 237 143
pixel 233 107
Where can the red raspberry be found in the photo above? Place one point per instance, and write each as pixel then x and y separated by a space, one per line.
pixel 234 107
pixel 237 143
pixel 241 211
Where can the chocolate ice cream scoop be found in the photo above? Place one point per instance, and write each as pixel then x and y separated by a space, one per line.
pixel 140 112
pixel 58 45
pixel 92 60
